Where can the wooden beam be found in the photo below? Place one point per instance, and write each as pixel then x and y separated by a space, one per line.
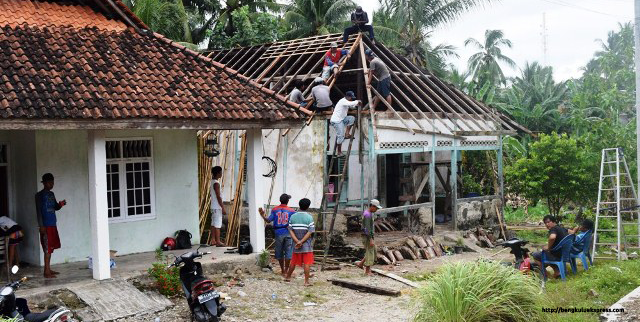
pixel 423 183
pixel 403 208
pixel 397 128
pixel 481 198
pixel 365 72
pixel 384 101
pixel 365 288
pixel 395 277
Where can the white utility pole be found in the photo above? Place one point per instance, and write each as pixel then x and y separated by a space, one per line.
pixel 636 35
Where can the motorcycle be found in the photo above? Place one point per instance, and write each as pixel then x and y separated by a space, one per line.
pixel 17 308
pixel 203 299
pixel 522 261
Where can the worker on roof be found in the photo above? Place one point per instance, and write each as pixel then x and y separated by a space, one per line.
pixel 342 122
pixel 378 68
pixel 296 94
pixel 332 59
pixel 359 19
pixel 320 93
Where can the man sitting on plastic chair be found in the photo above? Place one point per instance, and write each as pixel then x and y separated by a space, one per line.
pixel 582 244
pixel 550 251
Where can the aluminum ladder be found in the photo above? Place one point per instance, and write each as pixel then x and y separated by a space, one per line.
pixel 617 200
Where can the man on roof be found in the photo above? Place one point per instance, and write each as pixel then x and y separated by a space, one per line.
pixel 378 68
pixel 342 122
pixel 332 59
pixel 359 19
pixel 320 93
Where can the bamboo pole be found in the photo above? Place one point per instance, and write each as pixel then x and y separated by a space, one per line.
pixel 234 218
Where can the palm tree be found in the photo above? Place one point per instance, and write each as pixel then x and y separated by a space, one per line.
pixel 226 15
pixel 167 17
pixel 306 18
pixel 408 24
pixel 485 64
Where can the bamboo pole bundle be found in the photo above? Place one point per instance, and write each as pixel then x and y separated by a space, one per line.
pixel 204 178
pixel 234 219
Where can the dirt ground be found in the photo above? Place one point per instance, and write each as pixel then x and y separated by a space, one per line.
pixel 254 300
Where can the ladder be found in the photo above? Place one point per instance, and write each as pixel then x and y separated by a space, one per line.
pixel 617 200
pixel 341 175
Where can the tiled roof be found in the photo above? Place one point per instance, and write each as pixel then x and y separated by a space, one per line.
pixel 67 61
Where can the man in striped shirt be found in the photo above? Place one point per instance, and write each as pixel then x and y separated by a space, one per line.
pixel 301 229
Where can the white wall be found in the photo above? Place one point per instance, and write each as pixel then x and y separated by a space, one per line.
pixel 64 153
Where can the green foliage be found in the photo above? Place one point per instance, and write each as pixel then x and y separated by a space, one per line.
pixel 533 214
pixel 263 259
pixel 167 279
pixel 485 64
pixel 249 29
pixel 9 320
pixel 167 17
pixel 556 171
pixel 608 282
pixel 480 291
pixel 304 18
pixel 477 173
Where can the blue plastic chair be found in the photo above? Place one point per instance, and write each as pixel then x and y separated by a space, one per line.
pixel 565 247
pixel 584 254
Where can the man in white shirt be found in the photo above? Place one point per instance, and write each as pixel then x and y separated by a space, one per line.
pixel 340 120
pixel 217 207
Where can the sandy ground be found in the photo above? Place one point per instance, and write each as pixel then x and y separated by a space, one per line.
pixel 254 300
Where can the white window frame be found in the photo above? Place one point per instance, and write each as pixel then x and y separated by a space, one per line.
pixel 124 217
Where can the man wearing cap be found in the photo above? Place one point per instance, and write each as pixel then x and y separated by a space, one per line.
pixel 332 59
pixel 283 243
pixel 359 19
pixel 367 237
pixel 46 206
pixel 340 119
pixel 378 68
pixel 320 94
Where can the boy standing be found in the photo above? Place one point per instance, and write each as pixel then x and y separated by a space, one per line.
pixel 284 244
pixel 367 237
pixel 217 210
pixel 46 206
pixel 301 229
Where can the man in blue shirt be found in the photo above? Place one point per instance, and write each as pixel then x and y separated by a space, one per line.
pixel 279 216
pixel 46 206
pixel 581 233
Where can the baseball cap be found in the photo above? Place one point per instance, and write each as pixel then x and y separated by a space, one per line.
pixel 369 53
pixel 334 45
pixel 375 202
pixel 318 80
pixel 47 177
pixel 350 94
pixel 284 198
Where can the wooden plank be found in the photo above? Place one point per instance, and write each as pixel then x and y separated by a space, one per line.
pixel 481 198
pixel 403 208
pixel 364 287
pixel 423 184
pixel 395 277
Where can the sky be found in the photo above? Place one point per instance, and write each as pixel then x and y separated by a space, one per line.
pixel 572 27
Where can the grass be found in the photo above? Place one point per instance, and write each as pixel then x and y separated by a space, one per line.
pixel 480 291
pixel 518 215
pixel 609 283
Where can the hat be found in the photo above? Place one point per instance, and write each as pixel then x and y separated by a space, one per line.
pixel 334 45
pixel 284 198
pixel 369 53
pixel 350 94
pixel 375 202
pixel 318 80
pixel 359 8
pixel 47 177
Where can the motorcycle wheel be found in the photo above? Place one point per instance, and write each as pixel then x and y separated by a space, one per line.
pixel 200 315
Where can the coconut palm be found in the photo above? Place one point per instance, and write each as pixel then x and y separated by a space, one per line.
pixel 413 22
pixel 305 18
pixel 226 14
pixel 167 17
pixel 485 64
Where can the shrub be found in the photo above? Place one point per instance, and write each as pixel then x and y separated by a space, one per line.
pixel 480 291
pixel 167 279
pixel 263 259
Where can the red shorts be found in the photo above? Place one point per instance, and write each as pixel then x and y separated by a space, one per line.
pixel 299 259
pixel 50 239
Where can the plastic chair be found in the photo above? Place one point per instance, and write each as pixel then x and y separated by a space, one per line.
pixel 584 254
pixel 565 248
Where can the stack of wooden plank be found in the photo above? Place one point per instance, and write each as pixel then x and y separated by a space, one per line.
pixel 414 247
pixel 385 224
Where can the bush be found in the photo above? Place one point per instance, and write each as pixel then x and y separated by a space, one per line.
pixel 480 291
pixel 167 279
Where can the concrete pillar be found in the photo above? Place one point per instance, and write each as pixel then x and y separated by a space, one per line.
pixel 255 192
pixel 432 182
pixel 98 205
pixel 454 185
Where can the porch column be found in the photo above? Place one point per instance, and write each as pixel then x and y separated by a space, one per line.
pixel 255 192
pixel 98 205
pixel 432 183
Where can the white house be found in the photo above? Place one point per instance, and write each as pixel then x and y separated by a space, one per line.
pixel 112 110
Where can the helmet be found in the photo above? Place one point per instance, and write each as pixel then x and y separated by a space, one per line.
pixel 169 243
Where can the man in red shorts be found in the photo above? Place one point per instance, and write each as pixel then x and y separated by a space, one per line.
pixel 46 206
pixel 301 229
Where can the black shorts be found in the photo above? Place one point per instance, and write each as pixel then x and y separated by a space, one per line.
pixel 550 257
pixel 384 87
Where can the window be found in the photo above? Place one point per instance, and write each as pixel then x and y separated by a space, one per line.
pixel 130 189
